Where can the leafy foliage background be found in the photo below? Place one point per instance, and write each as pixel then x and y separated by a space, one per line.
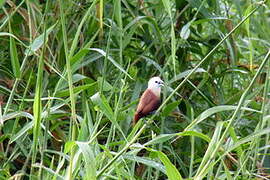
pixel 71 73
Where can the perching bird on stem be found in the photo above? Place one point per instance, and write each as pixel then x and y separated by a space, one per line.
pixel 150 99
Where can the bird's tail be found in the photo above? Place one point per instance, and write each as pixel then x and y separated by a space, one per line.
pixel 136 118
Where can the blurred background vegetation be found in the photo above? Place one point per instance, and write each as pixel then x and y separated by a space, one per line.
pixel 71 73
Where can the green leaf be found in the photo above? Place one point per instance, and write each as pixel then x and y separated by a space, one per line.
pixel 185 73
pixel 209 112
pixel 246 139
pixel 78 56
pixel 89 159
pixel 153 62
pixel 75 90
pixel 148 162
pixel 17 114
pixel 185 31
pixel 2 2
pixel 103 104
pixel 11 35
pixel 38 42
pixel 106 86
pixel 167 6
pixel 49 171
pixel 22 131
pixel 131 28
pixel 171 170
pixel 3 137
pixel 160 139
pixel 14 58
pixel 37 108
pixel 105 107
pixel 68 146
pixel 112 60
pixel 211 147
pixel 195 134
pixel 170 107
pixel 79 29
pixel 165 137
pixel 247 22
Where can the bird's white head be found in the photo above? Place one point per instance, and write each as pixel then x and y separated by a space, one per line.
pixel 155 84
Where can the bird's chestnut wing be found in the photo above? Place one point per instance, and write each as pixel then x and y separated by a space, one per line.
pixel 149 102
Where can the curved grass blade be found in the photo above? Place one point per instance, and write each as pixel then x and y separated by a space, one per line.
pixel 171 170
pixel 100 51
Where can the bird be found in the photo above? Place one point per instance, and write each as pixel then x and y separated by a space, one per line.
pixel 150 99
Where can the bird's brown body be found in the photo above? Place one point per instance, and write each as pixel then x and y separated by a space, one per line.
pixel 149 102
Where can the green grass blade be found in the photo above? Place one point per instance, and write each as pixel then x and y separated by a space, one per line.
pixel 14 57
pixel 171 171
pixel 112 60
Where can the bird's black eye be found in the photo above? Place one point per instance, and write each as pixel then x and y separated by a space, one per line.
pixel 156 81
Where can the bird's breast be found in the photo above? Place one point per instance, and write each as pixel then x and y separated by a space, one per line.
pixel 155 91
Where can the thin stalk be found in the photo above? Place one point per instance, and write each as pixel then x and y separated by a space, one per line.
pixel 37 106
pixel 70 85
pixel 10 98
pixel 118 16
pixel 42 55
pixel 192 152
pixel 45 138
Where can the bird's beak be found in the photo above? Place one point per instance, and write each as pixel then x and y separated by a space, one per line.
pixel 161 83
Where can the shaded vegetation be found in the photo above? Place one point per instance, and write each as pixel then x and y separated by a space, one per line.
pixel 71 73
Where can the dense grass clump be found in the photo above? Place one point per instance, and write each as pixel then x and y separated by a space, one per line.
pixel 71 74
